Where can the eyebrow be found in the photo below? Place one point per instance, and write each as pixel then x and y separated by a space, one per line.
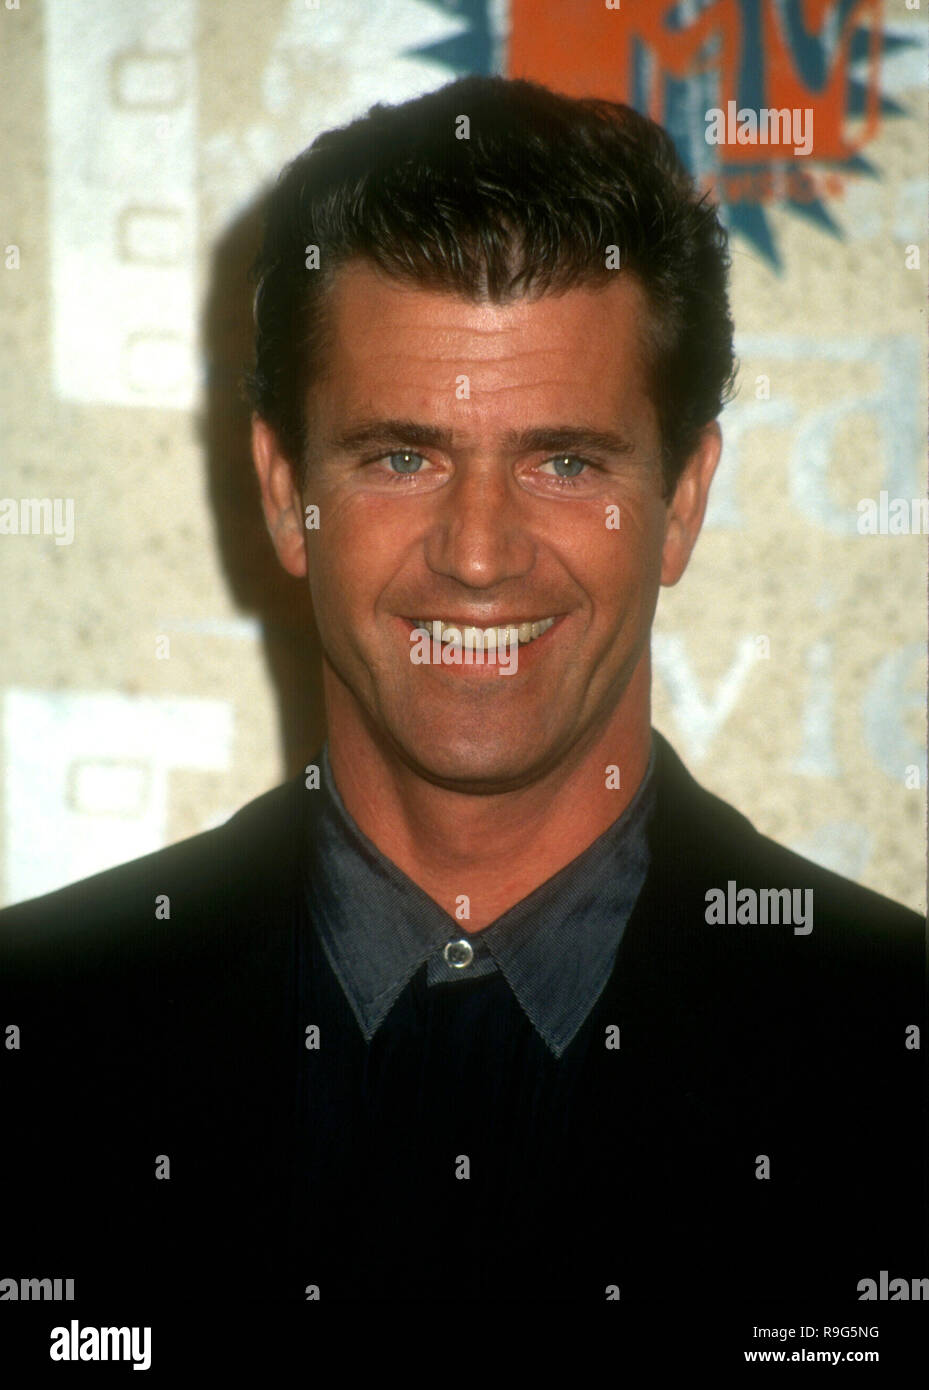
pixel 546 439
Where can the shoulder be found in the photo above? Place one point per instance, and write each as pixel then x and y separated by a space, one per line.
pixel 795 987
pixel 143 908
pixel 711 848
pixel 148 1011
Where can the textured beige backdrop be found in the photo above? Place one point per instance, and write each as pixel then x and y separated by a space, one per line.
pixel 136 137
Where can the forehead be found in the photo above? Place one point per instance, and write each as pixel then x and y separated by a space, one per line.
pixel 403 344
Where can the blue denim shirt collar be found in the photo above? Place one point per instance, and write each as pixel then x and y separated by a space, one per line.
pixel 555 948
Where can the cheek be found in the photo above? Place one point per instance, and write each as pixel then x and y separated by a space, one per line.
pixel 614 563
pixel 353 555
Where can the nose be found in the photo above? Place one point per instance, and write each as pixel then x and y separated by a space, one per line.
pixel 480 534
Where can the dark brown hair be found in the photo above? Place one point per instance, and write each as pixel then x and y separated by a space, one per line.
pixel 530 201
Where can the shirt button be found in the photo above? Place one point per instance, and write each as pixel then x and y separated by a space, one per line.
pixel 458 953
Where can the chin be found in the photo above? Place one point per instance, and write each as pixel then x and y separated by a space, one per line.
pixel 476 764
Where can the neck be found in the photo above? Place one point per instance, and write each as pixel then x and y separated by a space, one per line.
pixel 493 849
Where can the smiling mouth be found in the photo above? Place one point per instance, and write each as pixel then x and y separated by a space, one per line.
pixel 486 639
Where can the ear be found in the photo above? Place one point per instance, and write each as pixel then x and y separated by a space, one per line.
pixel 280 498
pixel 688 505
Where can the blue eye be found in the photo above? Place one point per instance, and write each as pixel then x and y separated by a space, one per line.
pixel 564 463
pixel 405 461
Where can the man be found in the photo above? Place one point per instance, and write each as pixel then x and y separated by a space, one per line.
pixel 494 1002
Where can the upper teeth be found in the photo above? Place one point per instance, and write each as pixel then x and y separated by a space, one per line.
pixel 486 636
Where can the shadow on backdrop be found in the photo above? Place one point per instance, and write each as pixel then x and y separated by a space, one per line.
pixel 259 586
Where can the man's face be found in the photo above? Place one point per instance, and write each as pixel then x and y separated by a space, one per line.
pixel 488 466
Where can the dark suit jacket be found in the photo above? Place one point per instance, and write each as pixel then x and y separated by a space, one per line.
pixel 759 1132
